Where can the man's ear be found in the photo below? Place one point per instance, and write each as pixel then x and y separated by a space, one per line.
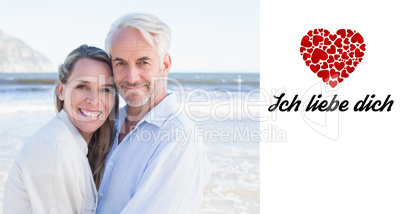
pixel 167 62
pixel 60 91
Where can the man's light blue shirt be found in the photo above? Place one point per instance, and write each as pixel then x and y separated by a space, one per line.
pixel 159 167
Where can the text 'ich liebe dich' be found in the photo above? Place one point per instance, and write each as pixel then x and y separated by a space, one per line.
pixel 316 103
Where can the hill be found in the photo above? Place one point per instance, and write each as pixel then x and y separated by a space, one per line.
pixel 16 56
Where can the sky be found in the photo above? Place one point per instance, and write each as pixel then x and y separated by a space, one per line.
pixel 207 35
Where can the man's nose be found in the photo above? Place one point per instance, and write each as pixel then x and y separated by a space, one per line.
pixel 132 74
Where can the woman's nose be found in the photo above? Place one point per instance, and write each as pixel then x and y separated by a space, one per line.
pixel 93 97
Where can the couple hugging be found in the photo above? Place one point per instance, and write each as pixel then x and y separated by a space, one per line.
pixel 95 158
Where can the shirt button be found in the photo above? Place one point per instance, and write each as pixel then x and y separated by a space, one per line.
pixel 110 163
pixel 53 210
pixel 100 194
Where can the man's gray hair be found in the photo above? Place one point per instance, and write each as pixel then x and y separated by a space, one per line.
pixel 155 32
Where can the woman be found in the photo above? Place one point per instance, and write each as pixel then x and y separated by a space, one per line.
pixel 52 172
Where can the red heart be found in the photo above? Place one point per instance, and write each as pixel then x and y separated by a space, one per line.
pixel 306 42
pixel 350 69
pixel 339 65
pixel 334 74
pixel 324 74
pixel 359 53
pixel 344 74
pixel 333 36
pixel 331 50
pixel 317 39
pixel 315 68
pixel 318 55
pixel 333 57
pixel 333 83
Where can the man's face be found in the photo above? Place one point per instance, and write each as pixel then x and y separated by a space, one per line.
pixel 136 68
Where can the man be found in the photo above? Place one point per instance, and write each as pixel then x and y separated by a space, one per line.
pixel 156 165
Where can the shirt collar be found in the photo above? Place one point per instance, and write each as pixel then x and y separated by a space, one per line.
pixel 158 114
pixel 80 142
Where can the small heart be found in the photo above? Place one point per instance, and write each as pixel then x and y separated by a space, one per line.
pixel 324 74
pixel 350 69
pixel 333 83
pixel 340 80
pixel 339 65
pixel 341 33
pixel 332 37
pixel 306 56
pixel 314 68
pixel 327 41
pixel 330 59
pixel 306 42
pixel 334 74
pixel 338 43
pixel 331 50
pixel 324 65
pixel 345 56
pixel 318 55
pixel 357 38
pixel 317 39
pixel 344 74
pixel 359 53
pixel 350 33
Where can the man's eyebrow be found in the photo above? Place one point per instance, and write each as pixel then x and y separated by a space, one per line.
pixel 144 58
pixel 109 85
pixel 118 59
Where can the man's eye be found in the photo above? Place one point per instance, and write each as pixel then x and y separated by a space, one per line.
pixel 143 62
pixel 120 63
pixel 107 90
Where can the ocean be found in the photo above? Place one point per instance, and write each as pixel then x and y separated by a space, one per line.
pixel 220 104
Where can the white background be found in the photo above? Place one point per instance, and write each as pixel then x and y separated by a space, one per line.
pixel 339 162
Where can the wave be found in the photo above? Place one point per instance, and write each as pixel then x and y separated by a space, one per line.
pixel 26 108
pixel 193 111
pixel 29 81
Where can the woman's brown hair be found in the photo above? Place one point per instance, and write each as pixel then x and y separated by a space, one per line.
pixel 102 139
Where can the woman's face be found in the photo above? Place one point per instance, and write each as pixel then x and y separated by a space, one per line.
pixel 88 95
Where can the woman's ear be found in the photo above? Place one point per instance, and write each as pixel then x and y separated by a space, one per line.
pixel 60 91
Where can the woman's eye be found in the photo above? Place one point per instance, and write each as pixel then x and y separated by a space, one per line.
pixel 81 87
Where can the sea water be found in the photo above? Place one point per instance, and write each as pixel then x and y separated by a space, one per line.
pixel 220 104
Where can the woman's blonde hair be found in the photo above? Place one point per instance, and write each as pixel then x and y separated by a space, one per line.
pixel 102 139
